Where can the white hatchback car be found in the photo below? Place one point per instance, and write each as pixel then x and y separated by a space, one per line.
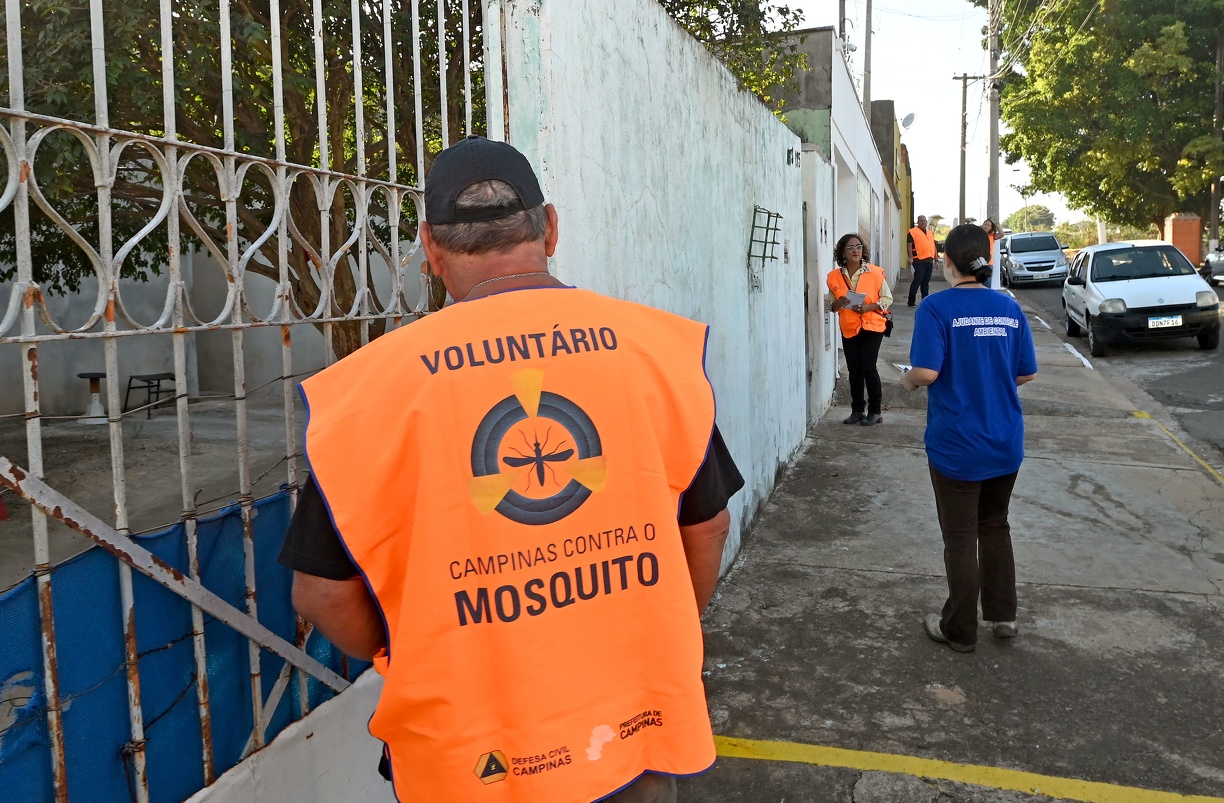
pixel 1138 290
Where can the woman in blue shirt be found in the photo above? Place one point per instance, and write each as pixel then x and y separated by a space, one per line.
pixel 972 348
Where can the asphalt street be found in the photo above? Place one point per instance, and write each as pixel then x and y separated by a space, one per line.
pixel 1186 380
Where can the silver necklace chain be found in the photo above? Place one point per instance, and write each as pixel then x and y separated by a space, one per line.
pixel 510 276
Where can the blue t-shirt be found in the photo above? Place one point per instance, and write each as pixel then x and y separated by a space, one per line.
pixel 979 341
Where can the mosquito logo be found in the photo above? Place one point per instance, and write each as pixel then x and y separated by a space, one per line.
pixel 539 460
pixel 536 456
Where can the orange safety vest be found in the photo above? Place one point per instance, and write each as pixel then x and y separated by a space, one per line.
pixel 990 253
pixel 924 243
pixel 506 475
pixel 869 282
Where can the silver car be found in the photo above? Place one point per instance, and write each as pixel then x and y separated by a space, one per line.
pixel 1032 256
pixel 1213 266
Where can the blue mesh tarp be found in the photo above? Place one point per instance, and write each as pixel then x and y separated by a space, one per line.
pixel 93 679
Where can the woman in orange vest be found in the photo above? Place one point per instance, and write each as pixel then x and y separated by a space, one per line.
pixel 992 231
pixel 861 301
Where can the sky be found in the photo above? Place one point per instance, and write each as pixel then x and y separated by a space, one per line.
pixel 916 50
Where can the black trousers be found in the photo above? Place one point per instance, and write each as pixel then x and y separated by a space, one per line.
pixel 977 552
pixel 922 278
pixel 862 351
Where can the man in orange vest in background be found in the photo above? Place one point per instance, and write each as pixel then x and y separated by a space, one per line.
pixel 517 509
pixel 922 253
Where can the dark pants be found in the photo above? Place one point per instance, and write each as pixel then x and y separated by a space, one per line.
pixel 862 350
pixel 922 278
pixel 977 552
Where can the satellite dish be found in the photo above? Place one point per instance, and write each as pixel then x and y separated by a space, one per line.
pixel 907 121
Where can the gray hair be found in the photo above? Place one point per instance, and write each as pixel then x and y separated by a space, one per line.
pixel 490 236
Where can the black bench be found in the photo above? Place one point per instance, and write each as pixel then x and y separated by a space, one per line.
pixel 151 384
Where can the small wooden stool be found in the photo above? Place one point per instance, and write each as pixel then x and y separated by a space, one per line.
pixel 95 413
pixel 151 385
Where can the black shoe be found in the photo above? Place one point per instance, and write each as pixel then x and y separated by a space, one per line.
pixel 854 418
pixel 872 418
pixel 910 304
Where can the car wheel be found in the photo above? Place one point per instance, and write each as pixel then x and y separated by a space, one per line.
pixel 1209 340
pixel 1072 328
pixel 1096 343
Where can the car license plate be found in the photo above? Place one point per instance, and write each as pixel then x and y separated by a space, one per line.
pixel 1164 321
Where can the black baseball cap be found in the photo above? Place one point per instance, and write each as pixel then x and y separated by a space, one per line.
pixel 469 162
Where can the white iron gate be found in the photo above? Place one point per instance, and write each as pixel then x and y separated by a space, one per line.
pixel 290 137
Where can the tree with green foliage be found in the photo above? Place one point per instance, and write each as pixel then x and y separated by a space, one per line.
pixel 1110 103
pixel 744 35
pixel 1033 217
pixel 1084 233
pixel 58 81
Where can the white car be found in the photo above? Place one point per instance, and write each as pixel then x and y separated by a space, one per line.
pixel 1138 290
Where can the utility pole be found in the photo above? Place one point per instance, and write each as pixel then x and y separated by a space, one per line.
pixel 867 69
pixel 992 188
pixel 992 185
pixel 1213 230
pixel 841 20
pixel 964 134
pixel 965 79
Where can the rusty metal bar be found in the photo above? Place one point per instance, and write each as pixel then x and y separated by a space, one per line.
pixel 219 327
pixel 322 188
pixel 389 72
pixel 125 549
pixel 394 196
pixel 443 107
pixel 269 709
pixel 160 142
pixel 107 167
pixel 361 190
pixel 179 341
pixel 416 91
pixel 288 397
pixel 467 71
pixel 26 291
pixel 494 74
pixel 230 195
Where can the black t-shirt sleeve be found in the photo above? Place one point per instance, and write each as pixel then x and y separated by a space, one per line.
pixel 312 545
pixel 716 482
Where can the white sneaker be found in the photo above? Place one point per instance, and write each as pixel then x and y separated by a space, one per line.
pixel 1002 629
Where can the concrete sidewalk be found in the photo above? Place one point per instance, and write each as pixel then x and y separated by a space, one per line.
pixel 815 637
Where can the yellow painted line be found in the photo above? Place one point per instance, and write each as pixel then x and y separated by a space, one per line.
pixel 1185 448
pixel 993 777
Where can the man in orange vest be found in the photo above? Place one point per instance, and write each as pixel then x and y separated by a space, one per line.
pixel 517 509
pixel 922 251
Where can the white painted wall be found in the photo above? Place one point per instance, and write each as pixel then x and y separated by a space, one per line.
pixel 261 346
pixel 655 160
pixel 61 392
pixel 854 152
pixel 329 756
pixel 819 240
